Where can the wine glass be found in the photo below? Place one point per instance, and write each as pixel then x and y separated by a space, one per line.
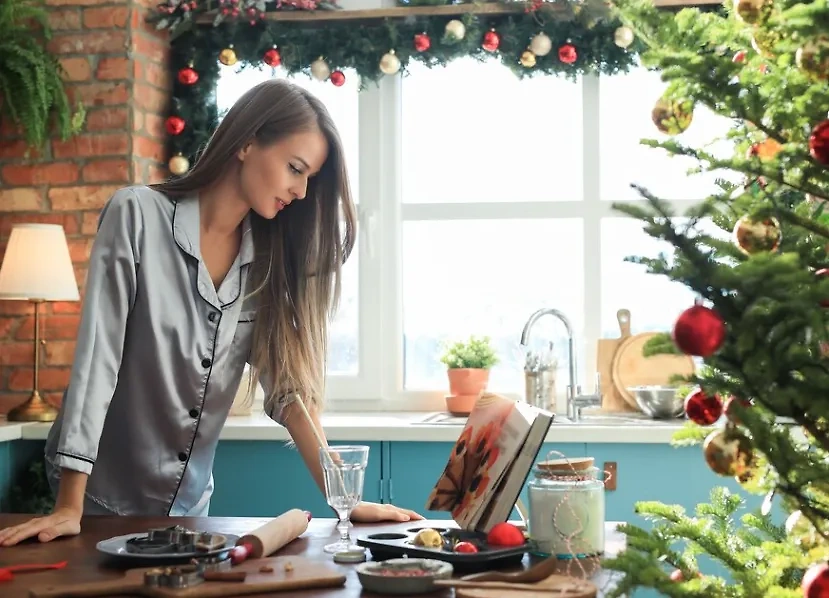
pixel 344 469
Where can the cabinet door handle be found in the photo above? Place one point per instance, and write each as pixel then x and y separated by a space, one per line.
pixel 391 493
pixel 382 487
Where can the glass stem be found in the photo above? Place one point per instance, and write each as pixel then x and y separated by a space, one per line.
pixel 342 527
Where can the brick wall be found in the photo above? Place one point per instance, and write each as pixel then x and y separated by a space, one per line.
pixel 116 65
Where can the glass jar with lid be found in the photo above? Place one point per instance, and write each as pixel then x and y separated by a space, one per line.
pixel 567 508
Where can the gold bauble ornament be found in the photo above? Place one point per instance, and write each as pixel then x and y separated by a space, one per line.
pixel 455 30
pixel 813 58
pixel 764 40
pixel 320 69
pixel 672 118
pixel 728 453
pixel 178 165
pixel 801 531
pixel 228 56
pixel 753 236
pixel 623 36
pixel 765 150
pixel 527 59
pixel 753 12
pixel 541 44
pixel 390 63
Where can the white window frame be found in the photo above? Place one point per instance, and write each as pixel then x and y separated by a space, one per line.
pixel 379 385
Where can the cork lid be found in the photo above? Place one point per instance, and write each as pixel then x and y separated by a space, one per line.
pixel 566 465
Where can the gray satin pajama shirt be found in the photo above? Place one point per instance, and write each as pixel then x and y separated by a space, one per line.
pixel 159 358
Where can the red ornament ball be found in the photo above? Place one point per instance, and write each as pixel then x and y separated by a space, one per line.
pixel 174 125
pixel 815 583
pixel 732 404
pixel 819 143
pixel 740 56
pixel 337 78
pixel 567 54
pixel 505 534
pixel 492 40
pixel 422 42
pixel 699 331
pixel 703 409
pixel 272 58
pixel 823 272
pixel 188 76
pixel 465 547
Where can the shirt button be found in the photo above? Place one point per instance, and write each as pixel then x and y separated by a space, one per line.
pixel 194 412
pixel 205 363
pixel 182 456
pixel 212 316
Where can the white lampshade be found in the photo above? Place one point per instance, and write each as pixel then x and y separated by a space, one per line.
pixel 37 265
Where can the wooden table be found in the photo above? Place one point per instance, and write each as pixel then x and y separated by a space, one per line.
pixel 87 564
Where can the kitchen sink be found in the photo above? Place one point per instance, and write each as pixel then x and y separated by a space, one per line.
pixel 597 419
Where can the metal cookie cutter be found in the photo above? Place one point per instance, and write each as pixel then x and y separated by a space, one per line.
pixel 176 539
pixel 186 576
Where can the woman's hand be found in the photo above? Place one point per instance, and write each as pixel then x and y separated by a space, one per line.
pixel 372 512
pixel 62 522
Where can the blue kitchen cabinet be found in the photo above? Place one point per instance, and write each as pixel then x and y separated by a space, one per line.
pixel 5 475
pixel 266 478
pixel 415 467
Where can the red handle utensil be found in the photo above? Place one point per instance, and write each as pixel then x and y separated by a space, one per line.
pixel 7 573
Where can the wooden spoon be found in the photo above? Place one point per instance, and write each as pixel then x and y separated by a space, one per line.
pixel 537 572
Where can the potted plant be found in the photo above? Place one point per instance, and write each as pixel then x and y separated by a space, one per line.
pixel 32 94
pixel 468 364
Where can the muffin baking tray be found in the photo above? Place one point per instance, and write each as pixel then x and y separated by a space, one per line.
pixel 389 545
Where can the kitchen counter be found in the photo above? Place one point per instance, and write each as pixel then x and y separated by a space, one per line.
pixel 413 427
pixel 86 564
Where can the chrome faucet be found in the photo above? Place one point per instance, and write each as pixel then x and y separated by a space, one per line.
pixel 575 400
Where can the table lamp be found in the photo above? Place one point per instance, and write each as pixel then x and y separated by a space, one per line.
pixel 37 268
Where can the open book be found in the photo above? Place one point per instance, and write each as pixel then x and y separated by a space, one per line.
pixel 490 461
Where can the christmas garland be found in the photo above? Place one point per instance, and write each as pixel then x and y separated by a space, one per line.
pixel 550 38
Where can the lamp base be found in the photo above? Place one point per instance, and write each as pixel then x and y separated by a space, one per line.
pixel 34 410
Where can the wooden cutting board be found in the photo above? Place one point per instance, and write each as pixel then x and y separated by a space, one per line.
pixel 612 399
pixel 555 585
pixel 631 368
pixel 304 574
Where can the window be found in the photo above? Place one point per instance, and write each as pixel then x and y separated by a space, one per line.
pixel 484 198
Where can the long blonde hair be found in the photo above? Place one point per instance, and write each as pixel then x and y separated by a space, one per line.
pixel 296 274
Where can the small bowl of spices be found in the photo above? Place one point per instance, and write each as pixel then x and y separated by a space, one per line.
pixel 403 576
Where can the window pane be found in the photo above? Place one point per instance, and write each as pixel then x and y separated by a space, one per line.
pixel 625 103
pixel 344 331
pixel 473 132
pixel 654 300
pixel 342 103
pixel 486 277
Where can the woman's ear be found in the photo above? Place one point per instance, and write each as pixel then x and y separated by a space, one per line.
pixel 244 151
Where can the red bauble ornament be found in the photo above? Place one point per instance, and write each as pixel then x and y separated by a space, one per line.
pixel 699 331
pixel 492 40
pixel 505 534
pixel 740 56
pixel 188 76
pixel 467 547
pixel 567 54
pixel 174 125
pixel 730 411
pixel 337 78
pixel 819 143
pixel 422 42
pixel 703 409
pixel 272 58
pixel 823 272
pixel 815 583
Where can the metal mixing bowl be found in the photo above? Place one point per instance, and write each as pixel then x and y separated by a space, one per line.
pixel 659 402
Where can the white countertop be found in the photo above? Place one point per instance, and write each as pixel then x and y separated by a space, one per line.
pixel 409 427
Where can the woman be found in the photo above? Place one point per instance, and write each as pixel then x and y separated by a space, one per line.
pixel 236 262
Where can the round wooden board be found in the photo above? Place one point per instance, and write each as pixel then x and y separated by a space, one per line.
pixel 555 585
pixel 631 368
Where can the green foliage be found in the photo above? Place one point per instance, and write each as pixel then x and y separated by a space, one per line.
pixel 476 353
pixel 356 48
pixel 32 93
pixel 770 301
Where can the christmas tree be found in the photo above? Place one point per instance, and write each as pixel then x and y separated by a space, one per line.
pixel 760 410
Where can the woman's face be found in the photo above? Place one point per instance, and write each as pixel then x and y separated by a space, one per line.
pixel 272 176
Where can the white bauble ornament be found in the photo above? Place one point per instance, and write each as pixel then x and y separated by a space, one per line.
pixel 455 29
pixel 623 37
pixel 541 44
pixel 320 69
pixel 389 63
pixel 178 165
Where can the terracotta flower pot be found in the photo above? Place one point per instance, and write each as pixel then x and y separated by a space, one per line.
pixel 467 381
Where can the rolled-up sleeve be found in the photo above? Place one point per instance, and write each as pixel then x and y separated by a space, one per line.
pixel 108 299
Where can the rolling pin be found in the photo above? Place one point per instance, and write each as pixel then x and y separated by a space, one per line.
pixel 276 533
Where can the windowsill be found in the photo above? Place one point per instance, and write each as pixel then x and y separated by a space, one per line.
pixel 396 427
